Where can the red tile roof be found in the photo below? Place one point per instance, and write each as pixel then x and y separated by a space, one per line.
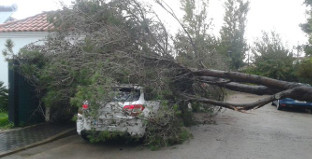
pixel 38 22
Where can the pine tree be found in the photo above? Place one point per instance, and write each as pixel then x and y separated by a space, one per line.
pixel 232 42
pixel 307 28
pixel 194 46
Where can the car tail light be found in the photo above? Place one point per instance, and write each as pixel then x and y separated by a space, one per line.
pixel 133 110
pixel 283 105
pixel 85 105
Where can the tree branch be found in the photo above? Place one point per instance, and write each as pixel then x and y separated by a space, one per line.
pixel 241 106
pixel 254 89
pixel 247 78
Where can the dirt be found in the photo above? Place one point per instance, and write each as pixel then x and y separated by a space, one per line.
pixel 261 133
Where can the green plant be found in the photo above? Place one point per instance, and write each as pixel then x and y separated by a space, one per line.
pixel 4 97
pixel 304 70
pixel 74 118
pixel 165 129
pixel 111 137
pixel 272 58
pixel 4 121
pixel 232 44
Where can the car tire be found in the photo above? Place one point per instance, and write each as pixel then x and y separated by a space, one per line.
pixel 278 107
pixel 84 135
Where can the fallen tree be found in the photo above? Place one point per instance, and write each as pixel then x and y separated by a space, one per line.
pixel 124 42
pixel 236 81
pixel 97 45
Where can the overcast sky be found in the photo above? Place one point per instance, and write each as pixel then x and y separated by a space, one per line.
pixel 283 16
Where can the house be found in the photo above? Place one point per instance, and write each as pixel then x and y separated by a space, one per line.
pixel 22 98
pixel 22 32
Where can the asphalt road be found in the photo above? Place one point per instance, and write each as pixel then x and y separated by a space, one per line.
pixel 263 133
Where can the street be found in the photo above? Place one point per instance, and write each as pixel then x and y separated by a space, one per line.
pixel 262 133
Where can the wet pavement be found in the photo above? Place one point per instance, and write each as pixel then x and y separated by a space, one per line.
pixel 264 133
pixel 14 139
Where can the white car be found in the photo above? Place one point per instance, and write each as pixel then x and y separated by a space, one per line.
pixel 126 113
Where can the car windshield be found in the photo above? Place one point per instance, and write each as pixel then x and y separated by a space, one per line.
pixel 127 95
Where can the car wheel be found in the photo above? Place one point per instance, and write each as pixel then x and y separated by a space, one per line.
pixel 84 135
pixel 278 107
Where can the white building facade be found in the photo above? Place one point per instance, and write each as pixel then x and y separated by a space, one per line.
pixel 22 32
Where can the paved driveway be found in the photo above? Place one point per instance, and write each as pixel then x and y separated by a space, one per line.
pixel 11 140
pixel 263 133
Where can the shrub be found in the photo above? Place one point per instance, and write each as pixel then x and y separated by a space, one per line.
pixel 165 128
pixel 4 121
pixel 4 98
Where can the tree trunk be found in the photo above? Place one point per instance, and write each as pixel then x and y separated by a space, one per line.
pixel 248 83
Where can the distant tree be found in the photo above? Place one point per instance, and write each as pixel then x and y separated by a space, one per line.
pixel 194 46
pixel 304 70
pixel 272 58
pixel 307 28
pixel 232 42
pixel 4 97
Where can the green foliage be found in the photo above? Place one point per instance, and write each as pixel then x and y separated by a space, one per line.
pixel 106 45
pixel 99 44
pixel 304 70
pixel 74 118
pixel 272 58
pixel 4 97
pixel 199 107
pixel 164 128
pixel 95 93
pixel 4 121
pixel 197 48
pixel 194 46
pixel 8 52
pixel 232 43
pixel 307 28
pixel 111 137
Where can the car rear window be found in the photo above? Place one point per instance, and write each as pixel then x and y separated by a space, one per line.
pixel 127 95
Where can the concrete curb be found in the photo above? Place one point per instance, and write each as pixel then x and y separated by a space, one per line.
pixel 20 128
pixel 60 135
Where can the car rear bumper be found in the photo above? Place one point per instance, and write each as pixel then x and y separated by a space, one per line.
pixel 134 126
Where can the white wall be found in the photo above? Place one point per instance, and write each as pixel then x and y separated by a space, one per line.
pixel 19 39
